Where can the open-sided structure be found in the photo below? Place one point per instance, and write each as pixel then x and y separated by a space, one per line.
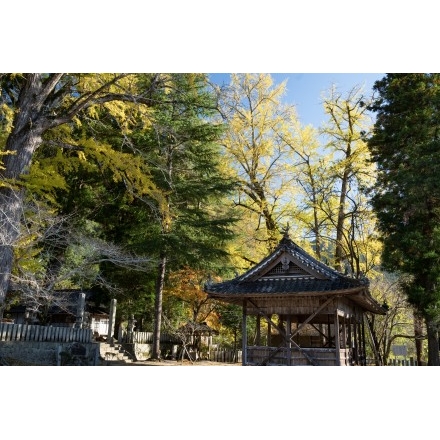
pixel 313 314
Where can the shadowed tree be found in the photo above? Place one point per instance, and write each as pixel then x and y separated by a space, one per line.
pixel 35 104
pixel 405 146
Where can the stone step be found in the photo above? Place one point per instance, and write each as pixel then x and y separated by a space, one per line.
pixel 114 354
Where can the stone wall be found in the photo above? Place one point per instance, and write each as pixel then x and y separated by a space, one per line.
pixel 142 352
pixel 49 353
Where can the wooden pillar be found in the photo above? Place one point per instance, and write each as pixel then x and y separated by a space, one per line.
pixel 244 335
pixel 364 351
pixel 269 331
pixel 288 341
pixel 337 345
pixel 258 341
pixel 111 321
pixel 350 336
pixel 350 340
pixel 344 333
pixel 329 333
pixel 356 341
pixel 344 338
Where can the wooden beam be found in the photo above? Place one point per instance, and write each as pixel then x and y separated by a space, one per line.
pixel 321 307
pixel 320 331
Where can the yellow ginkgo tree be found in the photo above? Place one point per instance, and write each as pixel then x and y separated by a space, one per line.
pixel 45 107
pixel 256 145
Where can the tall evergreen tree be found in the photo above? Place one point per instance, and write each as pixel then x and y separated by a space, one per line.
pixel 191 226
pixel 405 145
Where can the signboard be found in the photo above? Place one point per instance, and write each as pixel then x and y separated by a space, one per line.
pixel 399 350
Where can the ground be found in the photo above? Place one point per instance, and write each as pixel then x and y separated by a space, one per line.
pixel 184 363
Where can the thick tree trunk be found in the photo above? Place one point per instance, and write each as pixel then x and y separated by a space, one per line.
pixel 10 214
pixel 158 307
pixel 11 200
pixel 25 138
pixel 433 343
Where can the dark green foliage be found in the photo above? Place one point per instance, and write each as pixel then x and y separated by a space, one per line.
pixel 405 145
pixel 83 171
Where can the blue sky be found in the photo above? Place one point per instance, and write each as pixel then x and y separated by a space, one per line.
pixel 304 89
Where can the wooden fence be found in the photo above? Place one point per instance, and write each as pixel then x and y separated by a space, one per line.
pixel 226 356
pixel 145 338
pixel 411 362
pixel 38 333
pixel 215 355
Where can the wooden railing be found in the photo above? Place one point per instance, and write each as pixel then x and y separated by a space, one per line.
pixel 39 333
pixel 258 355
pixel 225 356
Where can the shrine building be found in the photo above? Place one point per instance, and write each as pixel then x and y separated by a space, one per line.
pixel 313 314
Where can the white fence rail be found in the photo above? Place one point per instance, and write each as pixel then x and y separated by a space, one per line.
pixel 145 337
pixel 28 332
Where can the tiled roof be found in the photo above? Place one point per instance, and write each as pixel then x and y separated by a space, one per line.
pixel 286 245
pixel 283 285
pixel 314 276
pixel 289 270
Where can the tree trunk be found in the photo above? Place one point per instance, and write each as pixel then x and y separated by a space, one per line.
pixel 418 333
pixel 374 343
pixel 24 139
pixel 339 250
pixel 11 201
pixel 433 343
pixel 158 307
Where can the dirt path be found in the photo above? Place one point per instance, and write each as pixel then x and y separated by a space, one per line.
pixel 184 363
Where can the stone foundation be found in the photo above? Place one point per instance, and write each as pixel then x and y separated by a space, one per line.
pixel 49 353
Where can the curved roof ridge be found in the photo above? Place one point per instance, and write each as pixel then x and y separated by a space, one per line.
pixel 302 255
pixel 286 244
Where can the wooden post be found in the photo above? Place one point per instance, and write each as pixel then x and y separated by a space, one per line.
pixel 344 338
pixel 258 341
pixel 244 335
pixel 350 339
pixel 344 332
pixel 364 351
pixel 269 331
pixel 356 341
pixel 288 340
pixel 337 345
pixel 111 322
pixel 361 344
